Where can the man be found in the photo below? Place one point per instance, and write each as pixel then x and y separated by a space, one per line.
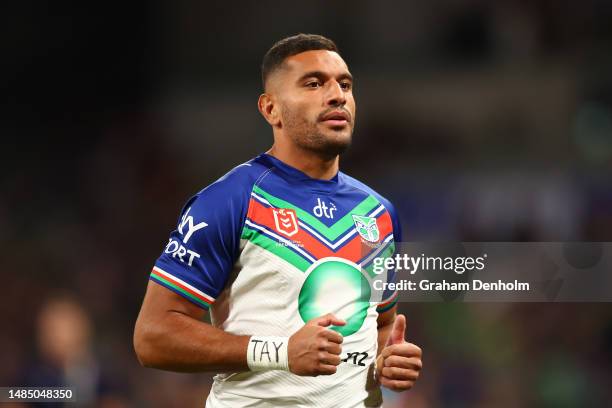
pixel 280 251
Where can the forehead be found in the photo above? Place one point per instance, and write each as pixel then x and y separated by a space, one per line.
pixel 325 61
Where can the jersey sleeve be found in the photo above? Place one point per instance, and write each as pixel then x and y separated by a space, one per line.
pixel 201 251
pixel 389 297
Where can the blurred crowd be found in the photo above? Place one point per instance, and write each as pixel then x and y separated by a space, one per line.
pixel 481 121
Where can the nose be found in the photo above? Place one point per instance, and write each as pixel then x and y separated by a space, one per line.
pixel 335 95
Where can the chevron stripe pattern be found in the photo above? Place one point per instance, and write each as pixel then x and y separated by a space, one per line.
pixel 298 237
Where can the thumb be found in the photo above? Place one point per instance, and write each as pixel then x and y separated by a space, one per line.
pixel 328 320
pixel 398 330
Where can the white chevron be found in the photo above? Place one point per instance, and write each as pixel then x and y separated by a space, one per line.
pixel 333 246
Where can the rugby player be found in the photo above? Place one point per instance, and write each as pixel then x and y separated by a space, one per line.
pixel 279 251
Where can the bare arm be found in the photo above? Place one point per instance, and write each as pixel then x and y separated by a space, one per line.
pixel 385 324
pixel 171 335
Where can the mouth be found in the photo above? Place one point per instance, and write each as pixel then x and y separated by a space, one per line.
pixel 336 118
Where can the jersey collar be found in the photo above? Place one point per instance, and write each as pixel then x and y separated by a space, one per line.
pixel 297 175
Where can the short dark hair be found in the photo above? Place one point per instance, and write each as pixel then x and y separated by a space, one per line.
pixel 289 46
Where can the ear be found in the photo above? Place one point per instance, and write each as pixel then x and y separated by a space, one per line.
pixel 268 109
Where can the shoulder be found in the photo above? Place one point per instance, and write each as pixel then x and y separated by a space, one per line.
pixel 238 180
pixel 229 192
pixel 353 182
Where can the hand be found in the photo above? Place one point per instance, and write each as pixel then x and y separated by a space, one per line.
pixel 399 363
pixel 315 350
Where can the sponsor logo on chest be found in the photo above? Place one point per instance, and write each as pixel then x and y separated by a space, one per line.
pixel 322 209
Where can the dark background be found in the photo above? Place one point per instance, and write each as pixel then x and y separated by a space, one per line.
pixel 480 120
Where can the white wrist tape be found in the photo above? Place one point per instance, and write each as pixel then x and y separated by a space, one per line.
pixel 268 353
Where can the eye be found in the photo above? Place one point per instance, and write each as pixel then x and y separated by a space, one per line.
pixel 313 84
pixel 346 85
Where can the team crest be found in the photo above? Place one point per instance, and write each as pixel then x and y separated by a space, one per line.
pixel 285 221
pixel 367 228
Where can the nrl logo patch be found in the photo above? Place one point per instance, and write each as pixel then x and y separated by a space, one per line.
pixel 285 221
pixel 367 228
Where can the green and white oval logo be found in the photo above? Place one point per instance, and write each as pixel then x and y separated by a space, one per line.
pixel 335 285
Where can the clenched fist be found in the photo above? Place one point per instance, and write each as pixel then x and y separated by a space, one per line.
pixel 314 349
pixel 399 363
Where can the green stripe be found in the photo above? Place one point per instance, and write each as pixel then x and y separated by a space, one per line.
pixel 333 232
pixel 387 307
pixel 275 248
pixel 163 280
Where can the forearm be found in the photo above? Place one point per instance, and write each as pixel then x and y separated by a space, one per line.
pixel 383 334
pixel 178 342
pixel 384 330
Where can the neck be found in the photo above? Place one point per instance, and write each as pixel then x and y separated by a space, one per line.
pixel 307 162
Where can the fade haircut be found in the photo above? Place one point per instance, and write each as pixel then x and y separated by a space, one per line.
pixel 289 46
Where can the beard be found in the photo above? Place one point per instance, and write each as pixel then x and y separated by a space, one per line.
pixel 309 135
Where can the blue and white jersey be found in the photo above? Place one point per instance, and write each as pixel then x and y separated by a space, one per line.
pixel 267 248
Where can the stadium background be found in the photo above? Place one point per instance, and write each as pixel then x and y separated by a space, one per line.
pixel 481 121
